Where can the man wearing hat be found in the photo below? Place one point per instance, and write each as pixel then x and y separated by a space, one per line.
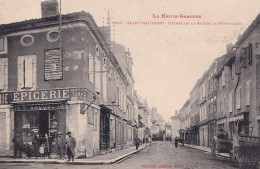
pixel 71 144
pixel 60 144
pixel 18 141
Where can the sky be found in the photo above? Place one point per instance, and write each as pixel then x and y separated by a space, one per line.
pixel 168 58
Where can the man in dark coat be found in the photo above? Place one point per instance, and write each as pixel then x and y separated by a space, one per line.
pixel 60 145
pixel 176 142
pixel 71 144
pixel 37 144
pixel 137 142
pixel 18 141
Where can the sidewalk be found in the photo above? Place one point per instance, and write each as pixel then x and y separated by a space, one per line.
pixel 206 149
pixel 109 158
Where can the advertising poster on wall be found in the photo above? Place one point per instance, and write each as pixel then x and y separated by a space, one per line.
pixel 53 68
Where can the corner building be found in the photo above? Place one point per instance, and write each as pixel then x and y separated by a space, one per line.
pixel 46 87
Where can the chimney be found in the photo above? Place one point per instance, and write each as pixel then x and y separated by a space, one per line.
pixel 229 48
pixel 50 8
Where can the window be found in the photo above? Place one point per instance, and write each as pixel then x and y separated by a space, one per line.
pixel 3 45
pixel 248 90
pixel 27 40
pixel 3 73
pixel 27 72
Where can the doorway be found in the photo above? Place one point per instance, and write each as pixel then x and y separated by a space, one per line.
pixel 43 122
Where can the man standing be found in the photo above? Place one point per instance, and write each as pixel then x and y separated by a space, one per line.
pixel 137 142
pixel 176 142
pixel 60 143
pixel 71 144
pixel 17 140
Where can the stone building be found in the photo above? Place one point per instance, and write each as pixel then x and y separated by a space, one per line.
pixel 227 93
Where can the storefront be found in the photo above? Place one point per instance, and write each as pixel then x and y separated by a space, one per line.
pixel 42 118
pixel 45 112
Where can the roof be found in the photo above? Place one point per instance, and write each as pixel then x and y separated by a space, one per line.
pixel 248 30
pixel 54 20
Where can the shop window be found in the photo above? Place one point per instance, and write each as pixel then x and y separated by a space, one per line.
pixel 27 72
pixel 3 73
pixel 53 124
pixel 3 45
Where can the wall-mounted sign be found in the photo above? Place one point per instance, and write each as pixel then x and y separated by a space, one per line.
pixel 32 107
pixel 53 68
pixel 43 95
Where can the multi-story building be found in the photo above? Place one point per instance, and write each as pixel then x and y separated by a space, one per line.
pixel 60 74
pixel 227 92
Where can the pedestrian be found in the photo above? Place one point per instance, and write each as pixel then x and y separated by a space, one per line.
pixel 37 145
pixel 71 144
pixel 137 142
pixel 60 145
pixel 47 146
pixel 18 141
pixel 29 146
pixel 176 142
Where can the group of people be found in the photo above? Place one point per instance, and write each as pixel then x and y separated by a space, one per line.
pixel 39 146
pixel 31 145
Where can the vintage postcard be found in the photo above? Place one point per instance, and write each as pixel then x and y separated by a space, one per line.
pixel 129 84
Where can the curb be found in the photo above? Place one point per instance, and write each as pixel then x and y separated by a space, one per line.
pixel 98 162
pixel 205 151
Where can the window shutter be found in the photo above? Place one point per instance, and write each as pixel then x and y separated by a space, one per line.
pixel 97 76
pixel 28 72
pixel 34 75
pixel 223 78
pixel 20 72
pixel 104 75
pixel 248 91
pixel 238 98
pixel 2 73
pixel 230 105
pixel 237 65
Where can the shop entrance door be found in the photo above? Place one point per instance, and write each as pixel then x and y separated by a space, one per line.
pixel 43 122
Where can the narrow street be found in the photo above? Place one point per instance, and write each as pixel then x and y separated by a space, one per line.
pixel 159 155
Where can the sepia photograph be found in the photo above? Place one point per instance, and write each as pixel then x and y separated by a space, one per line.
pixel 129 84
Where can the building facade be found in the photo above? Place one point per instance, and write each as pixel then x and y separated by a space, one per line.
pixel 227 93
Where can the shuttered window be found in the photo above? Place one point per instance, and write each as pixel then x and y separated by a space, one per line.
pixel 26 72
pixel 3 73
pixel 104 76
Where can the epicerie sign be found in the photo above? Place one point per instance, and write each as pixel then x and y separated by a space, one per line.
pixel 41 95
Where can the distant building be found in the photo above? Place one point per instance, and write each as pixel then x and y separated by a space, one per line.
pixel 175 125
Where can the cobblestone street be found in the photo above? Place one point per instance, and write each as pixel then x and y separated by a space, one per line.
pixel 159 155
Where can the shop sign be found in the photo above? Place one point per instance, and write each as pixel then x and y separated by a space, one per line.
pixel 53 69
pixel 43 95
pixel 32 107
